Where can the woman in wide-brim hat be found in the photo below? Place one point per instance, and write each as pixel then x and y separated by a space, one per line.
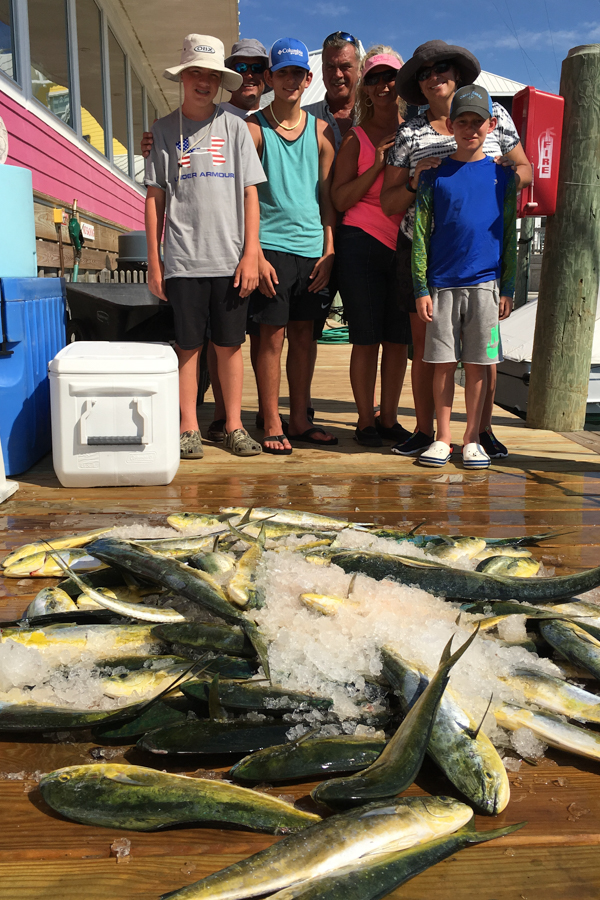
pixel 430 77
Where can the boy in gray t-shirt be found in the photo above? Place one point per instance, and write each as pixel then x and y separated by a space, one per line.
pixel 202 174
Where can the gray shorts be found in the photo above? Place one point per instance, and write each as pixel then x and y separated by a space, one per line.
pixel 465 325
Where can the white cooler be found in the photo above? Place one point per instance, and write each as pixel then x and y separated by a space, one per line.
pixel 115 413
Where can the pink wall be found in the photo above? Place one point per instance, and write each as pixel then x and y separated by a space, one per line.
pixel 62 170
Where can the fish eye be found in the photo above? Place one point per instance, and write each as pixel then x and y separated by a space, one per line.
pixel 63 778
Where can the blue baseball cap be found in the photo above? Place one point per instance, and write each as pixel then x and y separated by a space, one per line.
pixel 471 98
pixel 288 52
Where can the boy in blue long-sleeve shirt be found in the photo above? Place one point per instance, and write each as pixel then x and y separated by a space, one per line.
pixel 464 265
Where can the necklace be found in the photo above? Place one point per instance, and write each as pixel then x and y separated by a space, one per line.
pixel 281 125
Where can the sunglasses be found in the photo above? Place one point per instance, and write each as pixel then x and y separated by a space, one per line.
pixel 256 68
pixel 340 36
pixel 437 69
pixel 373 78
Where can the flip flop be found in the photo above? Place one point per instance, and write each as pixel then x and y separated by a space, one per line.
pixel 437 455
pixel 475 457
pixel 284 451
pixel 307 437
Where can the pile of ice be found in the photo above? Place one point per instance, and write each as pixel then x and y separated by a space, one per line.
pixel 338 655
pixel 28 676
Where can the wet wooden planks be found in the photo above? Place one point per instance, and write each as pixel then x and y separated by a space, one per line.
pixel 555 873
pixel 547 483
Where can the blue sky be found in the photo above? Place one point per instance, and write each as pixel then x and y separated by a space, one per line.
pixel 521 39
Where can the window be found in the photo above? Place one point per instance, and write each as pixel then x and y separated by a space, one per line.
pixel 118 100
pixel 137 104
pixel 90 73
pixel 7 46
pixel 49 57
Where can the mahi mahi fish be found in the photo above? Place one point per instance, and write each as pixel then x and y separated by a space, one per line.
pixel 445 581
pixel 141 799
pixel 332 844
pixel 458 746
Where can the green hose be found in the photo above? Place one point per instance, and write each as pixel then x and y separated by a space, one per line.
pixel 77 239
pixel 335 336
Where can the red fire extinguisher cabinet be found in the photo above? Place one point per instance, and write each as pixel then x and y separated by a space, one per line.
pixel 538 117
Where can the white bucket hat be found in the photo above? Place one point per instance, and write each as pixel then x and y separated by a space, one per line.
pixel 206 52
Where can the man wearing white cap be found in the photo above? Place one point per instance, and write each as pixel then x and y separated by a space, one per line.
pixel 202 173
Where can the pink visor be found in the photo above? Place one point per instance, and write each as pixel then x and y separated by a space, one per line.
pixel 382 59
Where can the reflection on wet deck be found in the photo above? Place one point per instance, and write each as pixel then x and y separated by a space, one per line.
pixel 548 483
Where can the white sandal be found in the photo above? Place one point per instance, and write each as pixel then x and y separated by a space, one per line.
pixel 437 455
pixel 475 457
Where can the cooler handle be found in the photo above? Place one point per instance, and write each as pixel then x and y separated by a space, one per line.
pixel 104 440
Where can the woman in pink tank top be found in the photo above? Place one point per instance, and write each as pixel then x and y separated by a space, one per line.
pixel 366 249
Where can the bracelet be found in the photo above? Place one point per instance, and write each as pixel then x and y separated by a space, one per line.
pixel 409 188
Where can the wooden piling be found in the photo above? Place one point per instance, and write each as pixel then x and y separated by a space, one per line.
pixel 568 295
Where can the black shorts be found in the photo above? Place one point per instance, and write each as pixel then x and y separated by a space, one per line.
pixel 293 302
pixel 369 289
pixel 331 289
pixel 406 294
pixel 200 303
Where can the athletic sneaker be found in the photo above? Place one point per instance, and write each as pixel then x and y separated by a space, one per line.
pixel 190 445
pixel 416 443
pixel 491 444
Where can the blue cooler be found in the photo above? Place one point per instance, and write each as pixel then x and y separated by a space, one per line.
pixel 32 332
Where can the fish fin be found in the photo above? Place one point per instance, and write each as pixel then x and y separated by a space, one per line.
pixel 475 734
pixel 262 536
pixel 65 566
pixel 478 837
pixel 121 778
pixel 351 585
pixel 215 709
pixel 446 652
pixel 447 660
pixel 533 539
pixel 248 539
pixel 246 517
pixel 125 714
pixel 131 581
pixel 458 618
pixel 448 540
pixel 306 735
pixel 215 545
pixel 259 644
pixel 415 529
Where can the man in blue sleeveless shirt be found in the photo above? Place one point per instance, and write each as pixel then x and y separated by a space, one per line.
pixel 296 237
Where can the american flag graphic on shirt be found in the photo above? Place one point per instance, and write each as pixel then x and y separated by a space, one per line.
pixel 215 150
pixel 216 145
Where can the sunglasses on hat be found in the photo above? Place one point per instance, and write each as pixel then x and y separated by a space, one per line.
pixel 437 69
pixel 256 68
pixel 340 36
pixel 373 78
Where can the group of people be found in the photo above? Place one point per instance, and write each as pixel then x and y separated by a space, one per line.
pixel 269 212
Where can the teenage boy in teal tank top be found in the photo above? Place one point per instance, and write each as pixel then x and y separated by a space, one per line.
pixel 296 237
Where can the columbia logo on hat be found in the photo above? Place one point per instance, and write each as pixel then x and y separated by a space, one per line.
pixel 289 52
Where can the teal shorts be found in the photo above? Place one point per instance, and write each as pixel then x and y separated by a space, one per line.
pixel 465 325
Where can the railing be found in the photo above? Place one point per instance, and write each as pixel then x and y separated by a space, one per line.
pixel 119 276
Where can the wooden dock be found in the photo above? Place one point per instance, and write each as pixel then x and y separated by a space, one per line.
pixel 548 482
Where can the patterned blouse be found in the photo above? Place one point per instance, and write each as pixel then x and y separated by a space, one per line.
pixel 417 140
